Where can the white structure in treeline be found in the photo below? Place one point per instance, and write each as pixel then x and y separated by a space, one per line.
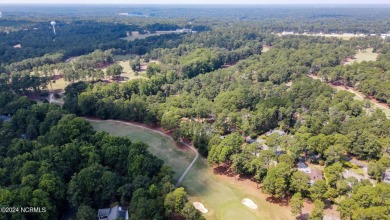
pixel 385 35
pixel 53 23
pixel 287 33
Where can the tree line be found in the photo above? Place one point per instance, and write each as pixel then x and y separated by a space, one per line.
pixel 53 159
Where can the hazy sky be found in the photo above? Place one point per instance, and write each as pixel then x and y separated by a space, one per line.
pixel 196 1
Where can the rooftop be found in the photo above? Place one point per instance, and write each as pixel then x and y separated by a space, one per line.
pixel 6 118
pixel 113 213
pixel 386 176
pixel 280 132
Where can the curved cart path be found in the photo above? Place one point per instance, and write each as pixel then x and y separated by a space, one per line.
pixel 163 134
pixel 384 107
pixel 52 100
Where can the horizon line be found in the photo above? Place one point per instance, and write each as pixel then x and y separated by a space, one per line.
pixel 219 4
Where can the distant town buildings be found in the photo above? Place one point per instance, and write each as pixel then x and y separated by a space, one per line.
pixel 320 34
pixel 287 33
pixel 134 14
pixel 384 36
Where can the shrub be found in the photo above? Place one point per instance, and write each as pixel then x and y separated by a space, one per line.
pixel 56 95
pixel 348 164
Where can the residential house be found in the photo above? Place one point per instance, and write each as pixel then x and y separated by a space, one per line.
pixel 5 118
pixel 386 176
pixel 116 212
pixel 280 132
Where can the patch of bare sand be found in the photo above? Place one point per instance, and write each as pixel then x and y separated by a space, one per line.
pixel 249 203
pixel 199 206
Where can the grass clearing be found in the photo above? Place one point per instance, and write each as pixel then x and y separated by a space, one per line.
pixel 219 195
pixel 265 48
pixel 128 73
pixel 363 55
pixel 59 84
pixel 343 37
pixel 359 171
pixel 136 35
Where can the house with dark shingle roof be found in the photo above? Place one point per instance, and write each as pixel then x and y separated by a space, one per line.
pixel 116 212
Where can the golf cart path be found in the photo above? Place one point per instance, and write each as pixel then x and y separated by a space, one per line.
pixel 359 94
pixel 53 100
pixel 163 134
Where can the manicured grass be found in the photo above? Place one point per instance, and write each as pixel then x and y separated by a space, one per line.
pixel 159 145
pixel 220 196
pixel 363 55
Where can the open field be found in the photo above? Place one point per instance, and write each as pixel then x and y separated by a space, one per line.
pixel 343 37
pixel 59 84
pixel 135 35
pixel 128 73
pixel 363 55
pixel 220 194
pixel 265 48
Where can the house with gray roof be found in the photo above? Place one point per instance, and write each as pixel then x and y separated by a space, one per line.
pixel 116 212
pixel 5 118
pixel 386 176
pixel 280 132
pixel 303 167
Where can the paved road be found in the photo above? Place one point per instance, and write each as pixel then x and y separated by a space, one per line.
pixel 52 100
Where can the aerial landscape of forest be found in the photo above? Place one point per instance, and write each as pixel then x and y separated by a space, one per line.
pixel 194 112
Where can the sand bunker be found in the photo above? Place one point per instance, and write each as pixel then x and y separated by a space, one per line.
pixel 249 203
pixel 199 206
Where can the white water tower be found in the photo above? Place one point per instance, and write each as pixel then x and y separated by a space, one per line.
pixel 53 23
